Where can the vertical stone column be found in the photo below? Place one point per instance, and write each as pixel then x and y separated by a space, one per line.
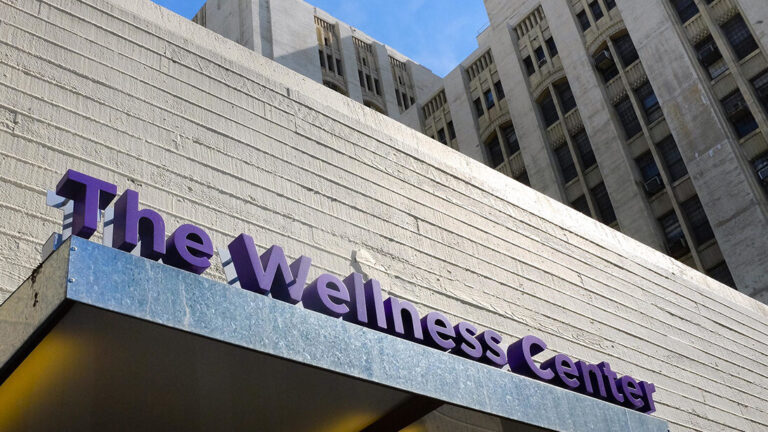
pixel 706 142
pixel 294 37
pixel 349 58
pixel 386 80
pixel 464 122
pixel 616 165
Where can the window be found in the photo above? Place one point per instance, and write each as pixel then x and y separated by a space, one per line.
pixel 494 151
pixel 499 90
pixel 722 274
pixel 740 38
pixel 529 65
pixel 694 212
pixel 686 9
pixel 399 101
pixel 597 11
pixel 673 235
pixel 510 139
pixel 605 65
pixel 339 69
pixel 377 86
pixel 489 102
pixel 628 118
pixel 451 131
pixel 738 113
pixel 523 178
pixel 761 88
pixel 330 62
pixel 672 158
pixel 610 4
pixel 649 101
pixel 584 147
pixel 360 76
pixel 551 47
pixel 478 107
pixel 322 59
pixel 710 57
pixel 652 182
pixel 405 101
pixel 581 205
pixel 760 164
pixel 625 50
pixel 441 136
pixel 368 83
pixel 565 161
pixel 567 102
pixel 603 202
pixel 541 58
pixel 548 110
pixel 583 20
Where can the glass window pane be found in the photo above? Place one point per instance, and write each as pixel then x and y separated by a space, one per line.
pixel 565 161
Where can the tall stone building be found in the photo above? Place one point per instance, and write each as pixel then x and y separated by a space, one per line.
pixel 648 116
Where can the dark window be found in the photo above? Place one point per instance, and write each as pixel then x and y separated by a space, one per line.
pixel 738 35
pixel 510 139
pixel 488 96
pixel 541 58
pixel 761 88
pixel 604 62
pixel 581 205
pixel 628 118
pixel 441 136
pixel 694 212
pixel 365 62
pixel 738 113
pixel 603 202
pixel 378 87
pixel 673 235
pixel 722 274
pixel 672 158
pixel 322 59
pixel 327 41
pixel 761 169
pixel 551 47
pixel 565 161
pixel 625 49
pixel 413 101
pixel 610 4
pixel 710 57
pixel 494 152
pixel 523 178
pixel 548 111
pixel 368 82
pixel 399 101
pixel 405 101
pixel 479 107
pixel 597 11
pixel 652 182
pixel 360 75
pixel 451 131
pixel 529 66
pixel 499 90
pixel 583 20
pixel 339 69
pixel 330 62
pixel 567 102
pixel 584 147
pixel 649 101
pixel 686 9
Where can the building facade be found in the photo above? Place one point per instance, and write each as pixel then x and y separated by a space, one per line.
pixel 560 96
pixel 215 135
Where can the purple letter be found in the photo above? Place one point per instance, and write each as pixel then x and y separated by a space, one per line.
pixel 493 354
pixel 521 361
pixel 132 225
pixel 436 326
pixel 564 369
pixel 89 196
pixel 648 389
pixel 270 272
pixel 610 376
pixel 189 248
pixel 470 348
pixel 587 388
pixel 366 297
pixel 394 309
pixel 319 294
pixel 631 390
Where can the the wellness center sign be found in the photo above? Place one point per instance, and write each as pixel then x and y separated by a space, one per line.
pixel 352 299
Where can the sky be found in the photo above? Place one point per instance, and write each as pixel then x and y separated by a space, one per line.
pixel 436 33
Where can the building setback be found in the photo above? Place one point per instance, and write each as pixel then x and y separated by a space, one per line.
pixel 663 140
pixel 212 134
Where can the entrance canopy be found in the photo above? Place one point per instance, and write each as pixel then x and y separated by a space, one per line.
pixel 97 339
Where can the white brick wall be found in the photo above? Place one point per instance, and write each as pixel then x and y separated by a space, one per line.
pixel 210 133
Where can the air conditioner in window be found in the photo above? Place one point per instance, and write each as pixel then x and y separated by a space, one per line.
pixel 603 60
pixel 762 174
pixel 653 185
pixel 708 54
